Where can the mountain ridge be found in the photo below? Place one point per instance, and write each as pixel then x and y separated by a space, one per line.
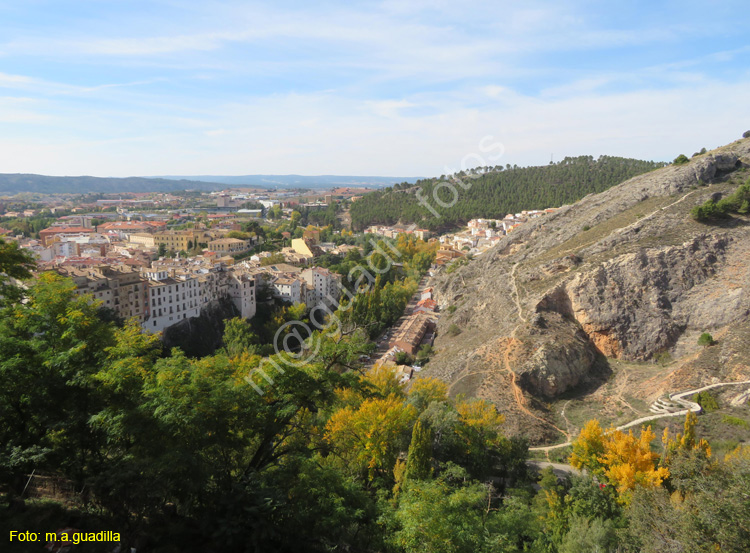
pixel 623 276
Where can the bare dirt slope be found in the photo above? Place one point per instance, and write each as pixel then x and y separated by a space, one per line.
pixel 554 311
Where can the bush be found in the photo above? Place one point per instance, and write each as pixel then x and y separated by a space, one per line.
pixel 403 358
pixel 452 309
pixel 706 340
pixel 586 227
pixel 423 356
pixel 707 402
pixel 735 421
pixel 746 134
pixel 681 160
pixel 664 358
pixel 453 330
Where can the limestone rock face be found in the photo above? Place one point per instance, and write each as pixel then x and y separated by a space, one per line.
pixel 557 355
pixel 626 306
pixel 552 302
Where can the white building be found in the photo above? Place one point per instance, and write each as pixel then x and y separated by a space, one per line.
pixel 170 299
pixel 289 289
pixel 242 292
pixel 323 286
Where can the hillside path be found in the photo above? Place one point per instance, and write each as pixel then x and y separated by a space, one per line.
pixel 679 398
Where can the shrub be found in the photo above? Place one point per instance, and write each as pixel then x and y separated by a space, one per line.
pixel 706 340
pixel 403 358
pixel 735 421
pixel 586 227
pixel 707 402
pixel 452 309
pixel 681 160
pixel 664 358
pixel 453 330
pixel 746 134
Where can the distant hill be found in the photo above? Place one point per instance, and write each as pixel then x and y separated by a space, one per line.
pixel 297 181
pixel 496 191
pixel 43 184
pixel 13 183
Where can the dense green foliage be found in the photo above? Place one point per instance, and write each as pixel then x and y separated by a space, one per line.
pixel 737 202
pixel 707 401
pixel 180 454
pixel 495 191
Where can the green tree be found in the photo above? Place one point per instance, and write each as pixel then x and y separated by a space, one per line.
pixel 706 340
pixel 51 346
pixel 419 459
pixel 239 337
pixel 15 263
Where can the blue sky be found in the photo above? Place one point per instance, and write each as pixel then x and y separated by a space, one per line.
pixel 396 88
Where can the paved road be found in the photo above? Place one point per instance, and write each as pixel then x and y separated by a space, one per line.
pixel 561 470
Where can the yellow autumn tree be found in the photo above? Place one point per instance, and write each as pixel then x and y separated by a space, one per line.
pixel 630 462
pixel 384 379
pixel 482 422
pixel 625 460
pixel 588 448
pixel 424 391
pixel 684 442
pixel 370 437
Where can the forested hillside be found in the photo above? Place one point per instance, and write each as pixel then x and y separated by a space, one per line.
pixel 495 191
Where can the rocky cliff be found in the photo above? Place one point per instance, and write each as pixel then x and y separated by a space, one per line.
pixel 626 274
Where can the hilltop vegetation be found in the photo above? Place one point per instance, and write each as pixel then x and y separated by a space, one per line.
pixel 495 191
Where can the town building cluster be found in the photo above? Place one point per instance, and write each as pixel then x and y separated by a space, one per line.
pixel 482 234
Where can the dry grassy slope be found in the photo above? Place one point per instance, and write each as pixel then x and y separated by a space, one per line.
pixel 546 311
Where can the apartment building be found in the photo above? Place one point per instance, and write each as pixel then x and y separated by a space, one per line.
pixel 171 299
pixel 288 288
pixel 323 286
pixel 181 240
pixel 120 288
pixel 229 246
pixel 242 291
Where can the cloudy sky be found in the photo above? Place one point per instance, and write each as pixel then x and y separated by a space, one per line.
pixel 392 88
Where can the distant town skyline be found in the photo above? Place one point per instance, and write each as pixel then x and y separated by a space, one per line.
pixel 383 89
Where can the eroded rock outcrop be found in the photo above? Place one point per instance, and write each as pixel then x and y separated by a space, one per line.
pixel 552 301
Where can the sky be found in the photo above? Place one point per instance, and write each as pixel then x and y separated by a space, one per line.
pixel 391 88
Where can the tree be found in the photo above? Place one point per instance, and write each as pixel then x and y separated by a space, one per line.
pixel 625 460
pixel 51 346
pixel 162 251
pixel 15 263
pixel 434 517
pixel 706 340
pixel 419 459
pixel 746 134
pixel 370 436
pixel 681 159
pixel 403 358
pixel 239 338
